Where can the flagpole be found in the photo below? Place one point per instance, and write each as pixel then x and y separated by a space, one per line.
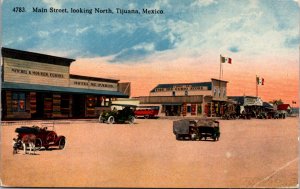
pixel 256 85
pixel 221 71
pixel 220 67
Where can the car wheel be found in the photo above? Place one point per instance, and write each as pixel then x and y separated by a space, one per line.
pixel 146 116
pixel 131 120
pixel 111 120
pixel 38 144
pixel 100 119
pixel 61 143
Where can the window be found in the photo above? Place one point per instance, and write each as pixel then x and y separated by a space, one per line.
pixel 99 101
pixel 224 92
pixel 215 91
pixel 186 93
pixel 173 93
pixel 18 102
pixel 188 109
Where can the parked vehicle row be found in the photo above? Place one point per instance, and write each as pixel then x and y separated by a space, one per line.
pixel 127 113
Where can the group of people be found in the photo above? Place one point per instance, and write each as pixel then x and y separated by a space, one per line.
pixel 27 141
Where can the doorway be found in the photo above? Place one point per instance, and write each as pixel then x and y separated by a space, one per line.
pixel 78 106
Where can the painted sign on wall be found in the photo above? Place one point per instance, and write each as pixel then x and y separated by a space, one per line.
pixel 97 85
pixel 23 71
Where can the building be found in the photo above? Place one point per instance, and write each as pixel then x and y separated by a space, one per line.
pixel 39 86
pixel 286 109
pixel 189 99
pixel 248 104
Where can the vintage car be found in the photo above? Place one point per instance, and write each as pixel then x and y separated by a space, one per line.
pixel 124 113
pixel 196 129
pixel 44 137
pixel 146 112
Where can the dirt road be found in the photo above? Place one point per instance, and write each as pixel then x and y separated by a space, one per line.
pixel 250 153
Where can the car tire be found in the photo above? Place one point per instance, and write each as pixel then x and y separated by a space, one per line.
pixel 38 144
pixel 62 143
pixel 146 116
pixel 111 120
pixel 100 119
pixel 131 120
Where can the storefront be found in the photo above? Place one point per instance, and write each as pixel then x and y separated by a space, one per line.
pixel 189 99
pixel 38 86
pixel 251 105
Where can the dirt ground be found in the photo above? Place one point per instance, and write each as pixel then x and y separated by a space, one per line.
pixel 250 153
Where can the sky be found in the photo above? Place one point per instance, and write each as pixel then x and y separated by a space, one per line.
pixel 182 45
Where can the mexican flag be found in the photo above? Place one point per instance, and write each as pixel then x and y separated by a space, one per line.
pixel 225 59
pixel 260 80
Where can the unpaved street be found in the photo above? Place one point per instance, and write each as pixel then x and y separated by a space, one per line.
pixel 250 153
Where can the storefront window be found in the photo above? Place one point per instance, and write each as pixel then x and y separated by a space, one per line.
pixel 18 102
pixel 189 109
pixel 99 101
pixel 90 101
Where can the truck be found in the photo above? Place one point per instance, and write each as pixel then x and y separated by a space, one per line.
pixel 186 129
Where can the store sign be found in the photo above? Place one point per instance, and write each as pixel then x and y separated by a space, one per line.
pixel 252 102
pixel 182 88
pixel 97 85
pixel 23 71
pixel 36 73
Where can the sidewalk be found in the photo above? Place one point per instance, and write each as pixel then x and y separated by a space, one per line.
pixel 45 122
pixel 93 120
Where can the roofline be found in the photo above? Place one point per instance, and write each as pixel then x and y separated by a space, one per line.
pixel 219 80
pixel 36 57
pixel 73 76
pixel 206 82
pixel 183 83
pixel 243 96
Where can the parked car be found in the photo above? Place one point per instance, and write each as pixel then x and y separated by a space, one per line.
pixel 276 115
pixel 196 129
pixel 44 137
pixel 123 115
pixel 146 111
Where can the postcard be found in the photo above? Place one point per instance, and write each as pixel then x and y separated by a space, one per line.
pixel 150 94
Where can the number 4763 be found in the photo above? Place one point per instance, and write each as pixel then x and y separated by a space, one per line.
pixel 19 9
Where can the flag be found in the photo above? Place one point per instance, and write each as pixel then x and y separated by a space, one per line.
pixel 225 59
pixel 260 81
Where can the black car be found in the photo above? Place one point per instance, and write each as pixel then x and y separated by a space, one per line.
pixel 126 114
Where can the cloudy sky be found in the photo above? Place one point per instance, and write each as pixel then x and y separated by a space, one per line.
pixel 182 45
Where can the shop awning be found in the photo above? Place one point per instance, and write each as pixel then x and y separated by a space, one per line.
pixel 47 88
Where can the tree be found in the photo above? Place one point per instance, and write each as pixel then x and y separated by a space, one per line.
pixel 276 102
